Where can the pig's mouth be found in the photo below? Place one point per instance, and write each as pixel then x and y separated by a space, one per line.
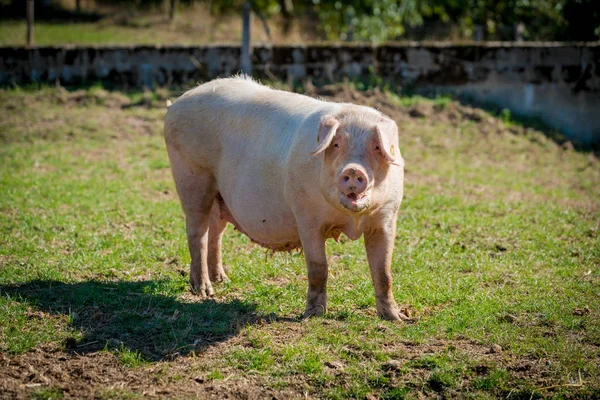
pixel 354 201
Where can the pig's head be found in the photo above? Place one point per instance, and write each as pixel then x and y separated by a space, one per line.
pixel 359 149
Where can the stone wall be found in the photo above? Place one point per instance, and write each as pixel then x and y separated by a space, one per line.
pixel 559 83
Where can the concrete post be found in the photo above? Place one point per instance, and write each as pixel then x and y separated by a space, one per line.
pixel 350 26
pixel 478 34
pixel 30 5
pixel 173 4
pixel 246 56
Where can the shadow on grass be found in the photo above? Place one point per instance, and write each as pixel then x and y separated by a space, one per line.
pixel 135 316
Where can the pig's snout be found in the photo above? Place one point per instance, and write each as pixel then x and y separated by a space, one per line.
pixel 353 181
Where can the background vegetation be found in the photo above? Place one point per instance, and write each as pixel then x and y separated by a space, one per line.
pixel 372 20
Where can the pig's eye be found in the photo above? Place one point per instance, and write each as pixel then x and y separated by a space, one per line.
pixel 336 145
pixel 376 147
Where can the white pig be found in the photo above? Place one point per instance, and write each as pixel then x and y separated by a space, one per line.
pixel 288 171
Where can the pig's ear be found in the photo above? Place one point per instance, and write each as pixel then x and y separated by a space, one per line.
pixel 327 129
pixel 386 136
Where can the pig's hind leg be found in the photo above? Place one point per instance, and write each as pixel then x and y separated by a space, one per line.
pixel 197 190
pixel 215 236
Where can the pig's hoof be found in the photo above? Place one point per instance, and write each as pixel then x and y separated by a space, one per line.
pixel 219 277
pixel 202 289
pixel 392 314
pixel 315 311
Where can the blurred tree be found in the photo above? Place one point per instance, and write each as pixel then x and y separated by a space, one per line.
pixel 541 18
pixel 173 4
pixel 262 8
pixel 585 18
pixel 287 11
pixel 131 3
pixel 377 20
pixel 265 7
pixel 372 20
pixel 47 10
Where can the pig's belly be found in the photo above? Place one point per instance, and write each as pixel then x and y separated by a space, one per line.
pixel 266 224
pixel 252 193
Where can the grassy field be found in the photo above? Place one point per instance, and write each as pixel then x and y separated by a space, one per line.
pixel 497 259
pixel 192 25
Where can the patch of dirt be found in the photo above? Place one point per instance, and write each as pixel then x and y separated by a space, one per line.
pixel 101 375
pixel 453 113
pixel 280 281
pixel 83 98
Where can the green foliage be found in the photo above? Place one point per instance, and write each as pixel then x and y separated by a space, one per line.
pixel 378 20
pixel 132 3
pixel 374 20
pixel 265 7
pixel 539 18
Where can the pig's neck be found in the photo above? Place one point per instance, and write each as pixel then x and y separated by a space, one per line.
pixel 351 226
pixel 354 227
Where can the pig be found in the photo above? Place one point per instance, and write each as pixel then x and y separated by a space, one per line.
pixel 289 171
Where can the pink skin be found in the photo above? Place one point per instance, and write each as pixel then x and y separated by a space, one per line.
pixel 353 160
pixel 353 183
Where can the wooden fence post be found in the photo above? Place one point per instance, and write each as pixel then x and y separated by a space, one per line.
pixel 246 55
pixel 29 22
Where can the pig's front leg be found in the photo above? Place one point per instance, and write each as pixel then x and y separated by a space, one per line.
pixel 197 232
pixel 379 243
pixel 313 245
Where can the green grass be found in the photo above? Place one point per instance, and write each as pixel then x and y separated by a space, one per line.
pixel 497 244
pixel 47 393
pixel 91 33
pixel 139 26
pixel 129 358
pixel 439 102
pixel 158 31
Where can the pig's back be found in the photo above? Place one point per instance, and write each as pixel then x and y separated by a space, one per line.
pixel 222 117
